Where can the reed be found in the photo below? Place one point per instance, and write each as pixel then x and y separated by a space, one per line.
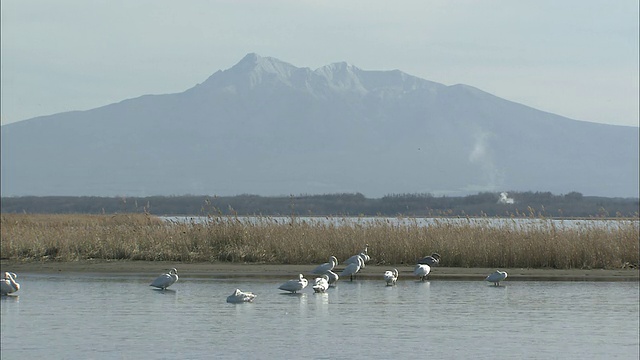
pixel 477 243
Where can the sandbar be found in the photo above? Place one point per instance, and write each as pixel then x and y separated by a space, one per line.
pixel 224 270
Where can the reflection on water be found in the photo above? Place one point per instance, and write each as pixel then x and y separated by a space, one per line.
pixel 103 317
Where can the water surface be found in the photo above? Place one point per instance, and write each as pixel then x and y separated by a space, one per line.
pixel 510 223
pixel 121 317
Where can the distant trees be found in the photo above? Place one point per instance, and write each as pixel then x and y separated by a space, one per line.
pixel 572 204
pixel 573 196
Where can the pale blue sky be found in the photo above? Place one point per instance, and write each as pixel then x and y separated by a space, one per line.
pixel 575 58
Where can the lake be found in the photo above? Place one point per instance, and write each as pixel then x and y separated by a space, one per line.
pixel 510 223
pixel 121 317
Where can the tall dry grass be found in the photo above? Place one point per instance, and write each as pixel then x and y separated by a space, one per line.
pixel 297 241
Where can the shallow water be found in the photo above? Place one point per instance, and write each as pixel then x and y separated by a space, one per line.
pixel 109 317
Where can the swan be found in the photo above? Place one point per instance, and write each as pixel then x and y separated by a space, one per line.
pixel 165 280
pixel 365 253
pixel 391 276
pixel 422 271
pixel 354 259
pixel 323 268
pixel 239 296
pixel 362 255
pixel 496 277
pixel 332 277
pixel 295 285
pixel 9 284
pixel 352 268
pixel 433 260
pixel 321 284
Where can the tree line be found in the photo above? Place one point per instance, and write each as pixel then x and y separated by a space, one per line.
pixel 518 204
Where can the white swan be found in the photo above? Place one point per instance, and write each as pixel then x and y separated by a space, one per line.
pixel 165 280
pixel 496 277
pixel 240 296
pixel 354 259
pixel 9 284
pixel 362 255
pixel 432 260
pixel 365 253
pixel 323 268
pixel 422 271
pixel 295 285
pixel 321 284
pixel 333 277
pixel 352 268
pixel 391 276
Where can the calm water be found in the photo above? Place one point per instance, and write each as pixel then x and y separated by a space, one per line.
pixel 102 317
pixel 514 223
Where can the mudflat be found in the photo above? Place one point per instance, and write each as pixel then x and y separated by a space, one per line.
pixel 283 271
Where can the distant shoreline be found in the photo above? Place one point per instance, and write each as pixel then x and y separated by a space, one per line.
pixel 527 204
pixel 265 271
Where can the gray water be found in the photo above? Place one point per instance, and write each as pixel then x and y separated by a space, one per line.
pixel 513 223
pixel 110 317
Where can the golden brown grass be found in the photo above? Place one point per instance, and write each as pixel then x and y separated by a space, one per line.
pixel 473 243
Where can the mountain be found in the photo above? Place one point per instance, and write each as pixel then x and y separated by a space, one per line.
pixel 267 127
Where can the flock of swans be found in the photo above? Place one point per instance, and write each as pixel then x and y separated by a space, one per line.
pixel 327 277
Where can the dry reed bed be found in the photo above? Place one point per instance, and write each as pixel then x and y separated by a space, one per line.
pixel 537 244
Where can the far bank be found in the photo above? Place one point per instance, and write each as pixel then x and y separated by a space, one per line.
pixel 127 268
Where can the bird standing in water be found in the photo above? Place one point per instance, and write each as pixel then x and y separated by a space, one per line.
pixel 496 277
pixel 391 276
pixel 422 271
pixel 294 286
pixel 165 280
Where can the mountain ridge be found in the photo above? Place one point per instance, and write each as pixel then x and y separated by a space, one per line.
pixel 267 127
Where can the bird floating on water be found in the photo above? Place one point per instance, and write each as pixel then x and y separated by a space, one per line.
pixel 421 271
pixel 432 260
pixel 240 296
pixel 391 276
pixel 9 284
pixel 496 277
pixel 165 280
pixel 321 284
pixel 294 286
pixel 323 268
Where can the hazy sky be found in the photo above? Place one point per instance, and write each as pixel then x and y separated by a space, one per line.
pixel 575 58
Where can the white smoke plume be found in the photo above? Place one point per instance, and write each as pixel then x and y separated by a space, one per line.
pixel 505 199
pixel 482 155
